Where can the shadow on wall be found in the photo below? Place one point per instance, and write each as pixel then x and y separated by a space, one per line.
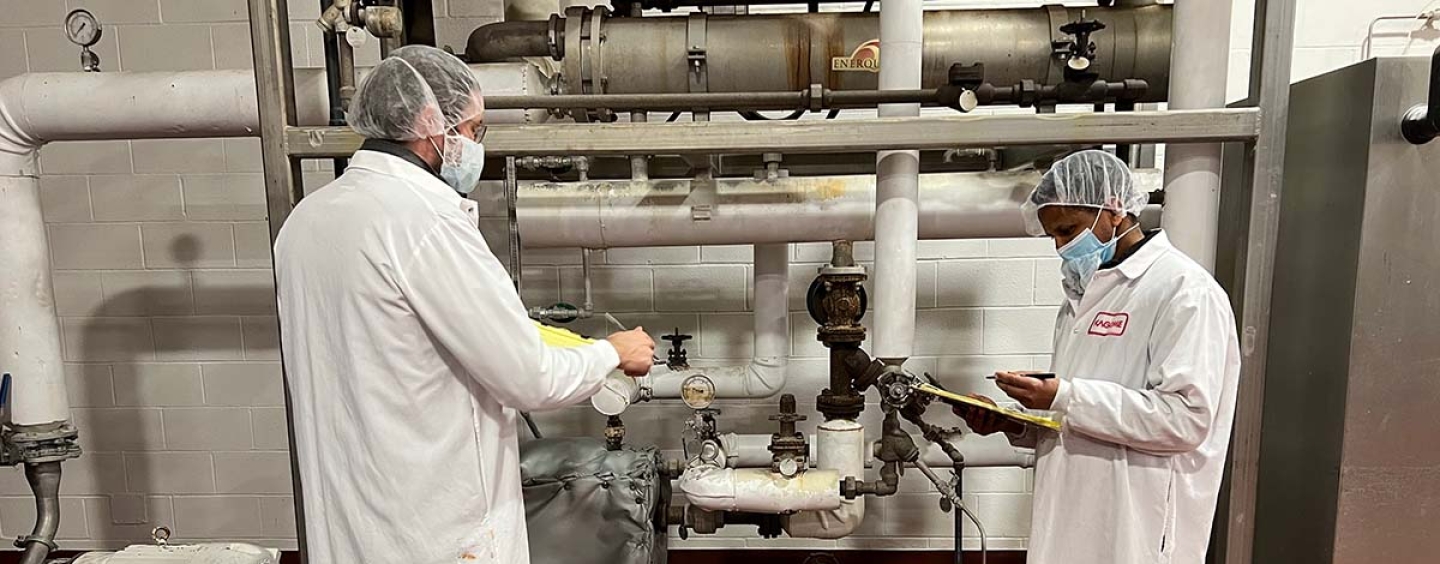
pixel 169 371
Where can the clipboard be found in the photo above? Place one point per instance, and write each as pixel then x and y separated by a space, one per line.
pixel 1011 414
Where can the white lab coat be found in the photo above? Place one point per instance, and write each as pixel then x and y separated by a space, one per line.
pixel 1148 364
pixel 408 353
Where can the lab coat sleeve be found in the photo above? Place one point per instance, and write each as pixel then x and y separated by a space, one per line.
pixel 1176 411
pixel 467 302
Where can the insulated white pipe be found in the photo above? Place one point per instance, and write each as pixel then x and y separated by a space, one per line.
pixel 38 108
pixel 1199 67
pixel 29 330
pixel 765 375
pixel 840 447
pixel 897 199
pixel 757 490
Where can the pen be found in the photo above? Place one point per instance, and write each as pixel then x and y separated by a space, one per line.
pixel 1035 375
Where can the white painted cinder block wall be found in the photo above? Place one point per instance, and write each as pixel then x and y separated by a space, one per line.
pixel 161 261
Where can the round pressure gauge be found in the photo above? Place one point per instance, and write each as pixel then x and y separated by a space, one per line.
pixel 82 28
pixel 697 391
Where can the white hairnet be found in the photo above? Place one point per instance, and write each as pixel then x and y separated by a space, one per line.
pixel 1088 179
pixel 416 92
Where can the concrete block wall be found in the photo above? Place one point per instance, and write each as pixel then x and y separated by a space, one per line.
pixel 161 259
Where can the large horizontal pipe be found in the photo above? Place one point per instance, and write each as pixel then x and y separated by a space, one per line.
pixel 657 213
pixel 789 52
pixel 716 101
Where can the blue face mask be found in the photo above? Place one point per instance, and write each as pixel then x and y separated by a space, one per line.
pixel 1082 257
pixel 461 162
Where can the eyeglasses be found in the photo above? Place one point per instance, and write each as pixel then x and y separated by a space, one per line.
pixel 480 133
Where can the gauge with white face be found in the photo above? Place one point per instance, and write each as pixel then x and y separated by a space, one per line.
pixel 82 28
pixel 697 391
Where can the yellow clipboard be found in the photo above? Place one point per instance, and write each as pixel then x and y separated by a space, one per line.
pixel 1022 417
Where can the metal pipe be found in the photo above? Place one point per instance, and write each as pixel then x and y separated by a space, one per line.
pixel 516 40
pixel 897 187
pixel 787 52
pixel 618 213
pixel 345 66
pixel 1192 172
pixel 840 446
pixel 44 478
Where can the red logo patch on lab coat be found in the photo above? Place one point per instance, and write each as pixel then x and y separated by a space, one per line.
pixel 1108 324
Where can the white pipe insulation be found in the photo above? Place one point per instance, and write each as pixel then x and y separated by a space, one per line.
pixel 765 375
pixel 623 213
pixel 1199 67
pixel 840 447
pixel 758 490
pixel 897 179
pixel 39 108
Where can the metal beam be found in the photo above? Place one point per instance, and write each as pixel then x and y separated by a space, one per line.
pixel 275 98
pixel 1270 88
pixel 824 136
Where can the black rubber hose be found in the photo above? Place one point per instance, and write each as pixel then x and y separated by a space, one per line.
pixel 505 41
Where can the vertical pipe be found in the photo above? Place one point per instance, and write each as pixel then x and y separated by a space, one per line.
pixel 772 290
pixel 639 164
pixel 44 481
pixel 897 177
pixel 1192 171
pixel 30 331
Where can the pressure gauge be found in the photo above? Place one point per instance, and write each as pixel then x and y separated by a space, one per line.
pixel 697 391
pixel 82 28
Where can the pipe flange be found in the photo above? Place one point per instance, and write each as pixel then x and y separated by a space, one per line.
pixel 835 406
pixel 27 540
pixel 555 39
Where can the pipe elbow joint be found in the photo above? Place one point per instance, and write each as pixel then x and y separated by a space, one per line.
pixel 766 377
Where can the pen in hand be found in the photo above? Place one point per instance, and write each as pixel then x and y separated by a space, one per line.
pixel 1035 375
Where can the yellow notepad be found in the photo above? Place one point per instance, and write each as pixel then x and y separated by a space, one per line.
pixel 1012 414
pixel 563 338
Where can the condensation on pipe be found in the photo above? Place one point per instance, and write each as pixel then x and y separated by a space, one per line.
pixel 1192 171
pixel 840 447
pixel 756 490
pixel 897 187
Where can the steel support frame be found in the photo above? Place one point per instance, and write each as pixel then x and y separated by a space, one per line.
pixel 275 96
pixel 829 136
pixel 1261 128
pixel 1273 46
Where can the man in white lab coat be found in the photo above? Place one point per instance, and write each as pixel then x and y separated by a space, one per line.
pixel 408 351
pixel 1146 363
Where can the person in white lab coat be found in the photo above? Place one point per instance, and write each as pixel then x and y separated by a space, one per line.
pixel 1146 363
pixel 408 351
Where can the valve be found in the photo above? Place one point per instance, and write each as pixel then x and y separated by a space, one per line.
pixel 1079 52
pixel 788 448
pixel 678 360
